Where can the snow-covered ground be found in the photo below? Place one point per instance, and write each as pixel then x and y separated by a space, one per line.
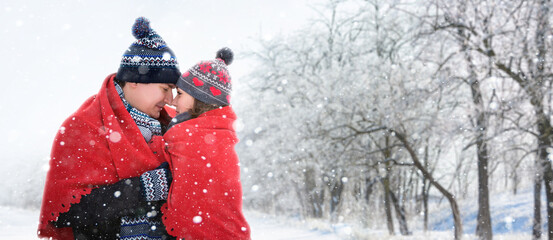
pixel 273 228
pixel 511 217
pixel 20 224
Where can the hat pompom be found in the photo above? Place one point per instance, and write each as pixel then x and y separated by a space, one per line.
pixel 141 28
pixel 226 55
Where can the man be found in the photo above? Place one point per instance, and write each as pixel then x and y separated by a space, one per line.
pixel 103 182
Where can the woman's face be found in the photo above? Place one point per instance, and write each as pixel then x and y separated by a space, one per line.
pixel 183 101
pixel 149 98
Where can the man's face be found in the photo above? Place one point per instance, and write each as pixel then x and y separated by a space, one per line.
pixel 149 98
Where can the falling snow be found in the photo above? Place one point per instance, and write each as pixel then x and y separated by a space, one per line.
pixel 292 146
pixel 197 219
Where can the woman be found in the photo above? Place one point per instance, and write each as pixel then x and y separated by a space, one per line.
pixel 205 198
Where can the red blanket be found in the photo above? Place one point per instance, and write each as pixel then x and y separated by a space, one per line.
pixel 99 144
pixel 205 199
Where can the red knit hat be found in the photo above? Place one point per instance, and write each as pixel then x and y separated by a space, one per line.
pixel 209 81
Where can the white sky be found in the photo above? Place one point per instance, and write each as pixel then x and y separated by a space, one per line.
pixel 55 54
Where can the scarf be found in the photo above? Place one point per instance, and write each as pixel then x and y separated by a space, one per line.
pixel 148 126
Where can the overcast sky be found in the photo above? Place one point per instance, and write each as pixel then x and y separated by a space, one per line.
pixel 55 54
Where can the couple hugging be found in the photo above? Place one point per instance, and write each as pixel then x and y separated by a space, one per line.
pixel 126 166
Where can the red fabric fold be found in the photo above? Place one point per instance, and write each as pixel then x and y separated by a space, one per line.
pixel 99 144
pixel 205 199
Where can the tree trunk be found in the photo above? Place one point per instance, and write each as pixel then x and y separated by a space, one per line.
pixel 544 142
pixel 515 182
pixel 315 194
pixel 386 183
pixel 425 189
pixel 536 223
pixel 369 189
pixel 544 125
pixel 336 190
pixel 336 187
pixel 425 204
pixel 387 205
pixel 400 213
pixel 483 221
pixel 458 225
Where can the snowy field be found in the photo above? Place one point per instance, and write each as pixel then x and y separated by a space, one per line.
pixel 511 218
pixel 20 224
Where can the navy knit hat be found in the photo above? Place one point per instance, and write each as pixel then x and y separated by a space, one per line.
pixel 148 59
pixel 209 81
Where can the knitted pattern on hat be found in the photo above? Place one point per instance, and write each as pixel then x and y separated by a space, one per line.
pixel 147 125
pixel 209 81
pixel 148 59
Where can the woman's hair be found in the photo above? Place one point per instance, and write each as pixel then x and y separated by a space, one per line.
pixel 200 107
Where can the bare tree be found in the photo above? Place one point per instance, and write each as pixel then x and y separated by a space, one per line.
pixel 361 97
pixel 524 26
